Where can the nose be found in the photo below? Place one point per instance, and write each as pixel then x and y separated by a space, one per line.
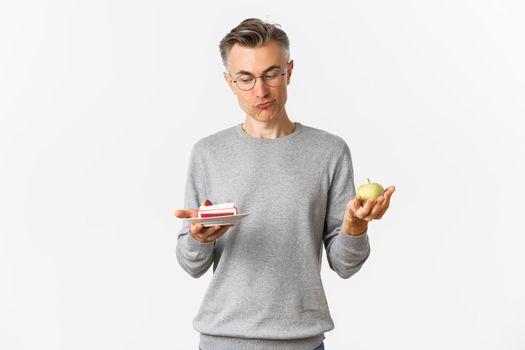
pixel 260 88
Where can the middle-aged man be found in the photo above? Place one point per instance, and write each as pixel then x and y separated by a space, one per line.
pixel 296 182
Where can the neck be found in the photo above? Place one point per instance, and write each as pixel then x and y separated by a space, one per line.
pixel 268 129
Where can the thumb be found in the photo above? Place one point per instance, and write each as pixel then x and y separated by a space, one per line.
pixel 186 213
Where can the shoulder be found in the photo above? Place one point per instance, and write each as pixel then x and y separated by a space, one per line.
pixel 215 140
pixel 324 140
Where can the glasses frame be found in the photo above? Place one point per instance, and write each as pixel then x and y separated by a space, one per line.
pixel 255 81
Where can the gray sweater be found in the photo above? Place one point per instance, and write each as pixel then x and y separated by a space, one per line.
pixel 266 291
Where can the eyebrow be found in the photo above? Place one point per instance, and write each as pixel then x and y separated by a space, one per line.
pixel 266 70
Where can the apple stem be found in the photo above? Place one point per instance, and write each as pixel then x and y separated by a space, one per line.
pixel 368 180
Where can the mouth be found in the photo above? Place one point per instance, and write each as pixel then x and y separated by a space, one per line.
pixel 265 104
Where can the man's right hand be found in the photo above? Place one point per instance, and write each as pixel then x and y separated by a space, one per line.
pixel 198 231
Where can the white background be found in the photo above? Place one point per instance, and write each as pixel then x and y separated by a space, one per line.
pixel 101 101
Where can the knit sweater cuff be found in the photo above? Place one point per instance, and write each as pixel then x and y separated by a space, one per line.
pixel 356 242
pixel 195 247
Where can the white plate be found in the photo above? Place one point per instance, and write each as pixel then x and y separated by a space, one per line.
pixel 219 220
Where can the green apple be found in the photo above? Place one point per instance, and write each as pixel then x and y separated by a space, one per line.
pixel 371 190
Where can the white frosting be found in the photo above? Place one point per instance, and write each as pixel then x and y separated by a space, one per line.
pixel 217 206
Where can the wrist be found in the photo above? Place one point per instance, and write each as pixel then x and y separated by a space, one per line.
pixel 354 227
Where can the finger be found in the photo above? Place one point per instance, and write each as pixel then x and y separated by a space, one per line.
pixel 384 199
pixel 369 216
pixel 186 213
pixel 357 203
pixel 195 231
pixel 376 210
pixel 389 190
pixel 196 228
pixel 207 231
pixel 365 211
pixel 199 230
pixel 387 195
pixel 352 206
pixel 220 232
pixel 212 229
pixel 383 208
pixel 212 233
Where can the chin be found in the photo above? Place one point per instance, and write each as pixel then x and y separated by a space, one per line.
pixel 264 115
pixel 259 115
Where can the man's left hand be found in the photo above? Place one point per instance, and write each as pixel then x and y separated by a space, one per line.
pixel 357 217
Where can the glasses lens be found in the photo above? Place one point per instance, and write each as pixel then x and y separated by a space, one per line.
pixel 273 78
pixel 245 82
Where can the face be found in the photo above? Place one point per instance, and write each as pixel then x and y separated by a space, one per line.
pixel 267 59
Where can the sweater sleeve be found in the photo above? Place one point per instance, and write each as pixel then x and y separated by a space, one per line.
pixel 193 256
pixel 345 254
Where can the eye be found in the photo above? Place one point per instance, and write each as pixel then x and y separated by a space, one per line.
pixel 245 79
pixel 271 75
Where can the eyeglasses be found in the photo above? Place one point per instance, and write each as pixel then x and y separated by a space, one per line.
pixel 246 82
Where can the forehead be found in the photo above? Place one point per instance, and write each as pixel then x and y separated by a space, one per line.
pixel 256 59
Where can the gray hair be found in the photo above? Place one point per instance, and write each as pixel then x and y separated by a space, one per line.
pixel 253 32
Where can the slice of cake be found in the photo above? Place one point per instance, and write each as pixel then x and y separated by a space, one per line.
pixel 208 210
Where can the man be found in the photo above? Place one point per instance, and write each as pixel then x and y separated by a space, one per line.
pixel 296 182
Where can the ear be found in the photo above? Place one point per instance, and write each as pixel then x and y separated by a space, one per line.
pixel 229 81
pixel 289 73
